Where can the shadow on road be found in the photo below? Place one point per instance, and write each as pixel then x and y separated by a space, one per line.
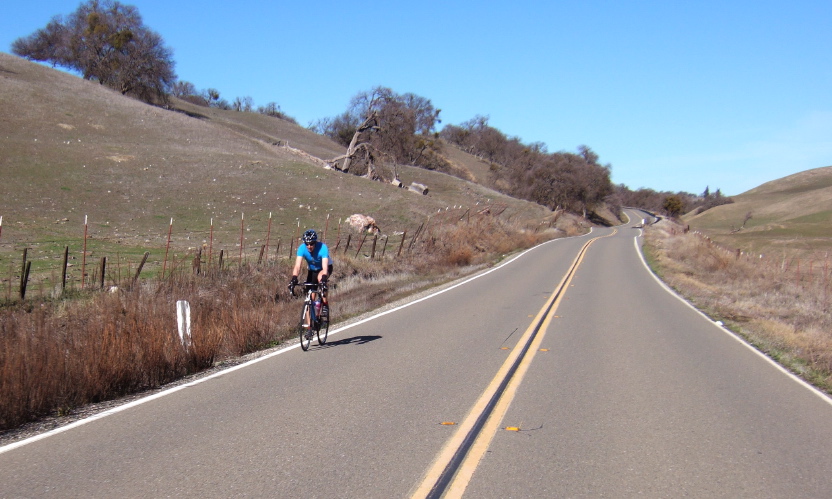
pixel 355 340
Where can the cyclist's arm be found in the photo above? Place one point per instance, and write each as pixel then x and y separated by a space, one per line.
pixel 296 270
pixel 324 267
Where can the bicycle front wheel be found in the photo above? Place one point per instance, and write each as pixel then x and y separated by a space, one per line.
pixel 323 325
pixel 305 330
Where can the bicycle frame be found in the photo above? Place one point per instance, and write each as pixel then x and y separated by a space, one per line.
pixel 308 300
pixel 311 321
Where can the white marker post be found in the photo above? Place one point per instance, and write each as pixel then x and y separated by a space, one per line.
pixel 183 320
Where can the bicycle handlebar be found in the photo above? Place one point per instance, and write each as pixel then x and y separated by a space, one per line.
pixel 309 286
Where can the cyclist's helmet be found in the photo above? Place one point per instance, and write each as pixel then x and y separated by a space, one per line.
pixel 310 236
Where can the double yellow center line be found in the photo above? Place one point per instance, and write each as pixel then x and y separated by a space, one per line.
pixel 455 465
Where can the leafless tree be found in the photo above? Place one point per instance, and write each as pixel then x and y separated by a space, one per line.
pixel 383 127
pixel 243 104
pixel 182 89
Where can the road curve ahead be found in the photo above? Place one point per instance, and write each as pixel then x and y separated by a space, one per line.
pixel 568 371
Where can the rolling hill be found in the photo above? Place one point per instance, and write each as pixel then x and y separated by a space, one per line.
pixel 73 149
pixel 791 215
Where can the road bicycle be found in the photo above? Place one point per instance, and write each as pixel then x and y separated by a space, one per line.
pixel 314 319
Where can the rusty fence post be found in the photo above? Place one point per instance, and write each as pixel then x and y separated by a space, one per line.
pixel 364 238
pixel 401 245
pixel 384 248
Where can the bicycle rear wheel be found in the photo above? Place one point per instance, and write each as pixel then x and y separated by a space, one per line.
pixel 323 325
pixel 305 330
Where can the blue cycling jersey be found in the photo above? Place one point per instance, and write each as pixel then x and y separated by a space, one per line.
pixel 315 258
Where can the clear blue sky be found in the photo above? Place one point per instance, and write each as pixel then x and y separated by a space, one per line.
pixel 676 96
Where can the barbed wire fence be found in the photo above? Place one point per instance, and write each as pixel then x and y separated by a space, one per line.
pixel 808 271
pixel 103 257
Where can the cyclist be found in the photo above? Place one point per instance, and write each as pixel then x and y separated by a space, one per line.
pixel 317 259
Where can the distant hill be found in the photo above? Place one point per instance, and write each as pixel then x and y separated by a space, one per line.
pixel 792 215
pixel 71 148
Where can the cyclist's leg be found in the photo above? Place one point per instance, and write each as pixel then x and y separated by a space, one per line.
pixel 325 299
pixel 312 278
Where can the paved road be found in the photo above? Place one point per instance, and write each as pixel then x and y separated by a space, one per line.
pixel 626 391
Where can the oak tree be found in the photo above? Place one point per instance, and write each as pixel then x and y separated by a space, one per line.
pixel 105 41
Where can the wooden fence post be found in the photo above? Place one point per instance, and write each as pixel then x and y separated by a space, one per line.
pixel 364 238
pixel 384 248
pixel 25 280
pixel 415 236
pixel 167 248
pixel 141 266
pixel 347 246
pixel 211 245
pixel 373 252
pixel 268 235
pixel 196 265
pixel 339 231
pixel 103 269
pixel 24 274
pixel 242 228
pixel 63 271
pixel 292 245
pixel 401 245
pixel 467 213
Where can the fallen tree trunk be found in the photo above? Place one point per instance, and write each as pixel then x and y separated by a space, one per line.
pixel 371 123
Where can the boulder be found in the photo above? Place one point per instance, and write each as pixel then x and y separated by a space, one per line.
pixel 363 223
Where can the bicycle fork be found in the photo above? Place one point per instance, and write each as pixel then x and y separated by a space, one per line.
pixel 311 316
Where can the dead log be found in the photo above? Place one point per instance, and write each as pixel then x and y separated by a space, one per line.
pixel 369 124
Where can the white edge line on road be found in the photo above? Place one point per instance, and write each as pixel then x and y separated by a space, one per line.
pixel 129 405
pixel 727 331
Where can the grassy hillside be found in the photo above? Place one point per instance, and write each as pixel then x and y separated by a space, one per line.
pixel 472 168
pixel 791 216
pixel 72 148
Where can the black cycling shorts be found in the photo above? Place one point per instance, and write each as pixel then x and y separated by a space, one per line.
pixel 312 275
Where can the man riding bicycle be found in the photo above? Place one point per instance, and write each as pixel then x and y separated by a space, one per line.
pixel 317 259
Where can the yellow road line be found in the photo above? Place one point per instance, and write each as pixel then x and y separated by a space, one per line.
pixel 477 450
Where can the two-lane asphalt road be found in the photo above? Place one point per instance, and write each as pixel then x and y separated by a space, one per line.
pixel 623 390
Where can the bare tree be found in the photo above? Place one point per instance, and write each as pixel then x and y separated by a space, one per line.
pixel 355 147
pixel 183 89
pixel 273 109
pixel 383 127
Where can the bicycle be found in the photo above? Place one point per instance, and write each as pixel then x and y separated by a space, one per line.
pixel 312 322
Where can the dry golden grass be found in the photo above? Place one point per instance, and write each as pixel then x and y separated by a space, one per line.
pixel 783 313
